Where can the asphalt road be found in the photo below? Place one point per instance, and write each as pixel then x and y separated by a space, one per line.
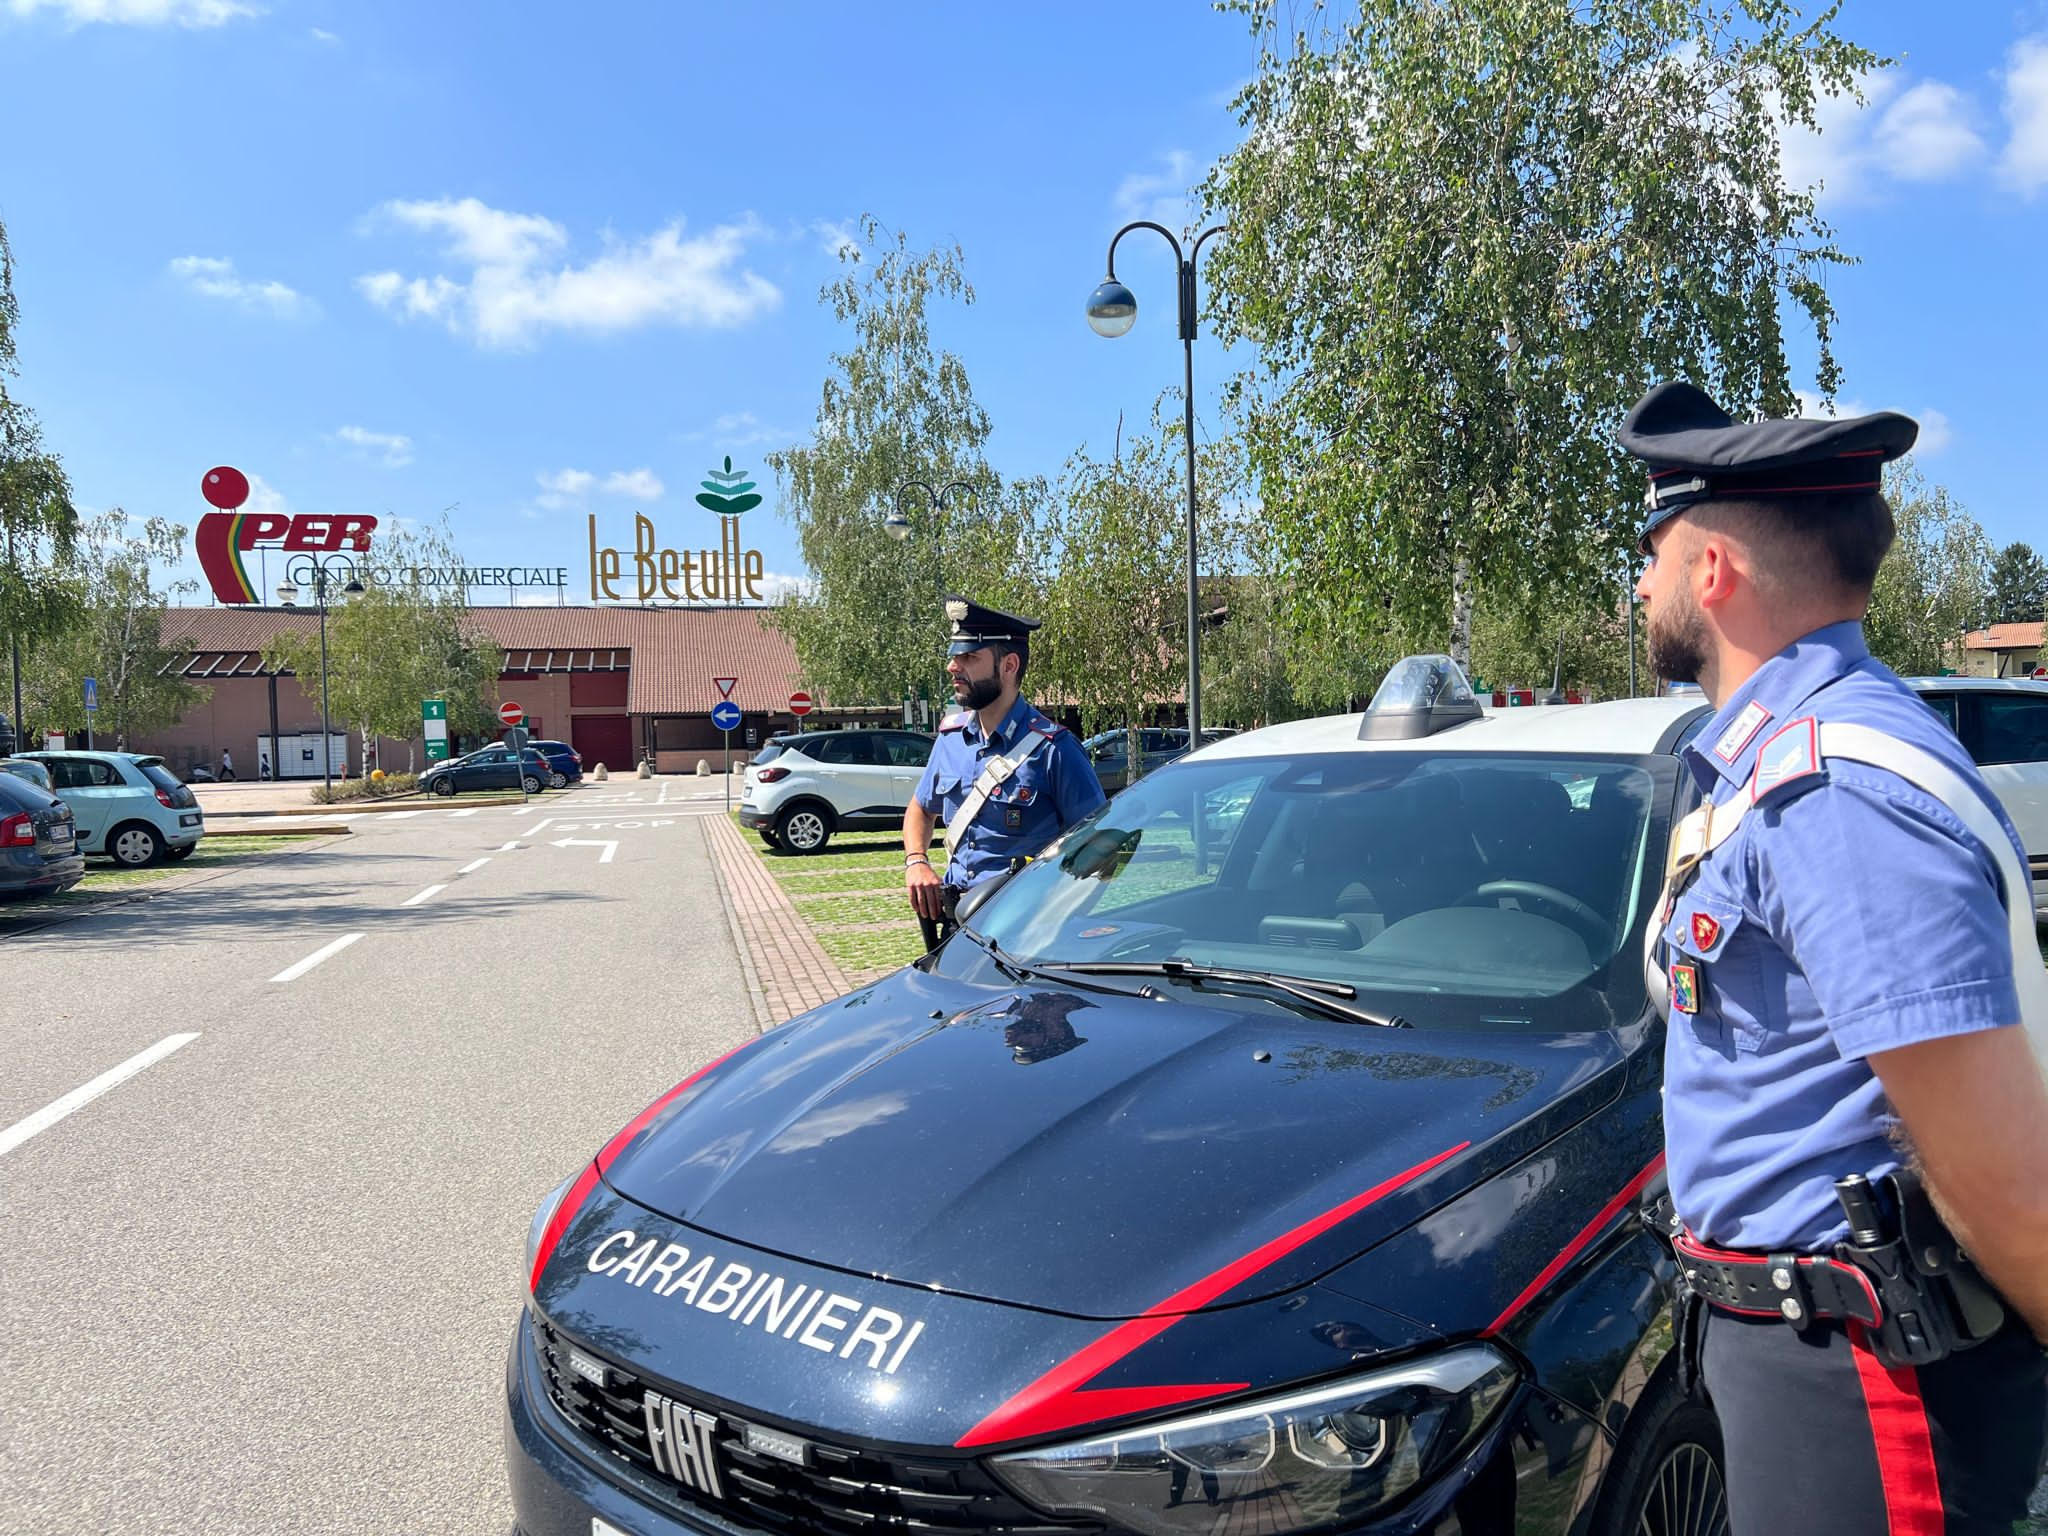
pixel 266 1282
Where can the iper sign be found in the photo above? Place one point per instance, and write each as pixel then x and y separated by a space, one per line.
pixel 222 538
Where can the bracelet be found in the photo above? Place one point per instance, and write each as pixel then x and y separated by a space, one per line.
pixel 917 858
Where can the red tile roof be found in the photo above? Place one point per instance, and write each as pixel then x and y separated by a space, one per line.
pixel 676 651
pixel 2005 637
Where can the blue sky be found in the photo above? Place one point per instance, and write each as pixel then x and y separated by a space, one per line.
pixel 531 263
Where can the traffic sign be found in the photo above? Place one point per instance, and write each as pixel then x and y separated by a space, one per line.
pixel 801 704
pixel 510 713
pixel 434 728
pixel 726 686
pixel 725 715
pixel 92 694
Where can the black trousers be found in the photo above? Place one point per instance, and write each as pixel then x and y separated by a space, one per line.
pixel 1823 1440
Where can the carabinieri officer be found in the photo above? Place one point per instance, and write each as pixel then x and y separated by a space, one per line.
pixel 1844 971
pixel 1004 779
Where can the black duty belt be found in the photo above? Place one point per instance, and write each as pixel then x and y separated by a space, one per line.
pixel 1800 1288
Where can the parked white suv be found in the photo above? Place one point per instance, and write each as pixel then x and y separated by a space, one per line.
pixel 803 787
pixel 2003 723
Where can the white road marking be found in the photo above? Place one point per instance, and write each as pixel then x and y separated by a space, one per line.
pixel 470 812
pixel 534 830
pixel 402 815
pixel 609 848
pixel 420 896
pixel 505 847
pixel 476 864
pixel 324 952
pixel 78 1098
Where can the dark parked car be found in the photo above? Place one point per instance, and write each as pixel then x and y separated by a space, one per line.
pixel 1157 746
pixel 492 767
pixel 1280 1152
pixel 564 762
pixel 27 768
pixel 39 851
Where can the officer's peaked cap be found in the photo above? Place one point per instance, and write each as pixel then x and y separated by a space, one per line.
pixel 1697 452
pixel 973 626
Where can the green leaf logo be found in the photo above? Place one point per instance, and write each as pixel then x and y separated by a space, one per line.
pixel 728 492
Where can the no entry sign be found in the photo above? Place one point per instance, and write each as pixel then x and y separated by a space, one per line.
pixel 800 704
pixel 511 713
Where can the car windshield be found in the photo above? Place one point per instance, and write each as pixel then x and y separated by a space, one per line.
pixel 1447 888
pixel 770 750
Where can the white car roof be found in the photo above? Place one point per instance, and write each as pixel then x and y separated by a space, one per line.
pixel 1623 726
pixel 1977 684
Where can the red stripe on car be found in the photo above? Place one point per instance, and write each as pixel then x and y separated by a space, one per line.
pixel 1059 1399
pixel 1577 1245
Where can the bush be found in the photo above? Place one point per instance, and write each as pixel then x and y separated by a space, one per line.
pixel 380 786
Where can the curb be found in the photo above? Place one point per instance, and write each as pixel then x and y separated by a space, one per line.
pixel 363 807
pixel 756 996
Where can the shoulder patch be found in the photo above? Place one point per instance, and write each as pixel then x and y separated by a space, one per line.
pixel 954 723
pixel 1047 729
pixel 1790 756
pixel 1741 732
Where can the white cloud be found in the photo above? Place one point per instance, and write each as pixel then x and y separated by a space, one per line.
pixel 2025 162
pixel 144 13
pixel 519 284
pixel 394 446
pixel 743 429
pixel 1923 133
pixel 776 585
pixel 1935 431
pixel 837 240
pixel 640 484
pixel 215 278
pixel 564 487
pixel 1161 195
pixel 322 35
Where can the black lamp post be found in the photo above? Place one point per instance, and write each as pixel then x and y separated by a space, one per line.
pixel 321 574
pixel 1112 310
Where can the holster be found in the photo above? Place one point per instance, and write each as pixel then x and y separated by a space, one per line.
pixel 1934 1301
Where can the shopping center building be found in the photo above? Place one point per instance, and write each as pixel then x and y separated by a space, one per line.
pixel 615 682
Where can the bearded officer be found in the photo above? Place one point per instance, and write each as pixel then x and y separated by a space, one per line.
pixel 1004 779
pixel 1844 977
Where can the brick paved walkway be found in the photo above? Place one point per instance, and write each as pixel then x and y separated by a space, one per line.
pixel 786 970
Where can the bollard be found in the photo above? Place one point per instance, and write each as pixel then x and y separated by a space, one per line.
pixel 646 770
pixel 602 773
pixel 703 769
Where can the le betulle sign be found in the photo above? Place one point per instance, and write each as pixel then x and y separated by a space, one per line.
pixel 650 573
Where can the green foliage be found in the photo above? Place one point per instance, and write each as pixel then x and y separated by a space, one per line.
pixel 1932 586
pixel 1465 236
pixel 115 636
pixel 1523 637
pixel 386 788
pixel 398 644
pixel 893 410
pixel 2019 586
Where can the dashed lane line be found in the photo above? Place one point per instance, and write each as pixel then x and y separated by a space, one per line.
pixel 474 865
pixel 419 896
pixel 325 952
pixel 78 1098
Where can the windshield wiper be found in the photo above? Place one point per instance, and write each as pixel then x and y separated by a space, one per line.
pixel 1308 989
pixel 1019 970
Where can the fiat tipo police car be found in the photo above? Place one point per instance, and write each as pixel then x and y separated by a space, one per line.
pixel 1278 1152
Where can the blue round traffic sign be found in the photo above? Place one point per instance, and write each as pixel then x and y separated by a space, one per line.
pixel 726 715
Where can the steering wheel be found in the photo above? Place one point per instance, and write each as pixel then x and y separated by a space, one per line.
pixel 1591 926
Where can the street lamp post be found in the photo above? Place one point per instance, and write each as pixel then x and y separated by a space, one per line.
pixel 321 574
pixel 898 526
pixel 1112 310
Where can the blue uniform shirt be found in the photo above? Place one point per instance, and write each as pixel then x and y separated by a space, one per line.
pixel 1849 914
pixel 1053 788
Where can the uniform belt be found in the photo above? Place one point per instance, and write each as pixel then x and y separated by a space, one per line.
pixel 1798 1288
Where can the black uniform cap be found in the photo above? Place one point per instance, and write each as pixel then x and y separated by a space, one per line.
pixel 974 626
pixel 1698 452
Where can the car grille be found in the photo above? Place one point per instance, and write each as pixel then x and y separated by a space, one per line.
pixel 842 1490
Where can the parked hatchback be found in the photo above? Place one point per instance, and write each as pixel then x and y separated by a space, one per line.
pixel 492 767
pixel 128 807
pixel 565 763
pixel 803 787
pixel 2003 723
pixel 38 840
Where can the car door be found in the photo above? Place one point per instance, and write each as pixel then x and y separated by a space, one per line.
pixel 860 777
pixel 1111 757
pixel 95 790
pixel 492 768
pixel 2007 733
pixel 907 756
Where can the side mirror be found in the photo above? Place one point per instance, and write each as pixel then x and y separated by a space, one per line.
pixel 977 898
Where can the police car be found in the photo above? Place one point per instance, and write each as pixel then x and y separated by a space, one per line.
pixel 1275 1153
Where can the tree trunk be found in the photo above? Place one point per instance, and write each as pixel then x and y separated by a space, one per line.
pixel 1461 614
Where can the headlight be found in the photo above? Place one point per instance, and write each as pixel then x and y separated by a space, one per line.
pixel 541 1218
pixel 1325 1456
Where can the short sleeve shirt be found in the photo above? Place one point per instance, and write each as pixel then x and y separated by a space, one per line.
pixel 1849 914
pixel 1050 791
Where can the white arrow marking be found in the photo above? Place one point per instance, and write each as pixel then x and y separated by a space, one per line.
pixel 609 848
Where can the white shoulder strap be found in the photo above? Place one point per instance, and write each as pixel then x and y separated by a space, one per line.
pixel 1699 834
pixel 994 774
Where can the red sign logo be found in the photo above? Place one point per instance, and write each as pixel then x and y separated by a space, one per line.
pixel 222 538
pixel 510 713
pixel 800 704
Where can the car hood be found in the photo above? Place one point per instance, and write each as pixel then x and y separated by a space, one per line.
pixel 1091 1154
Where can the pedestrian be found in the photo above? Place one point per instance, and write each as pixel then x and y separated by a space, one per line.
pixel 1856 1128
pixel 227 767
pixel 1003 778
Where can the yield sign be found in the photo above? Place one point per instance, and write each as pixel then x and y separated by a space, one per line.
pixel 726 686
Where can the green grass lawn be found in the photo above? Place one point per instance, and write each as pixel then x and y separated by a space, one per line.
pixel 106 881
pixel 857 882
